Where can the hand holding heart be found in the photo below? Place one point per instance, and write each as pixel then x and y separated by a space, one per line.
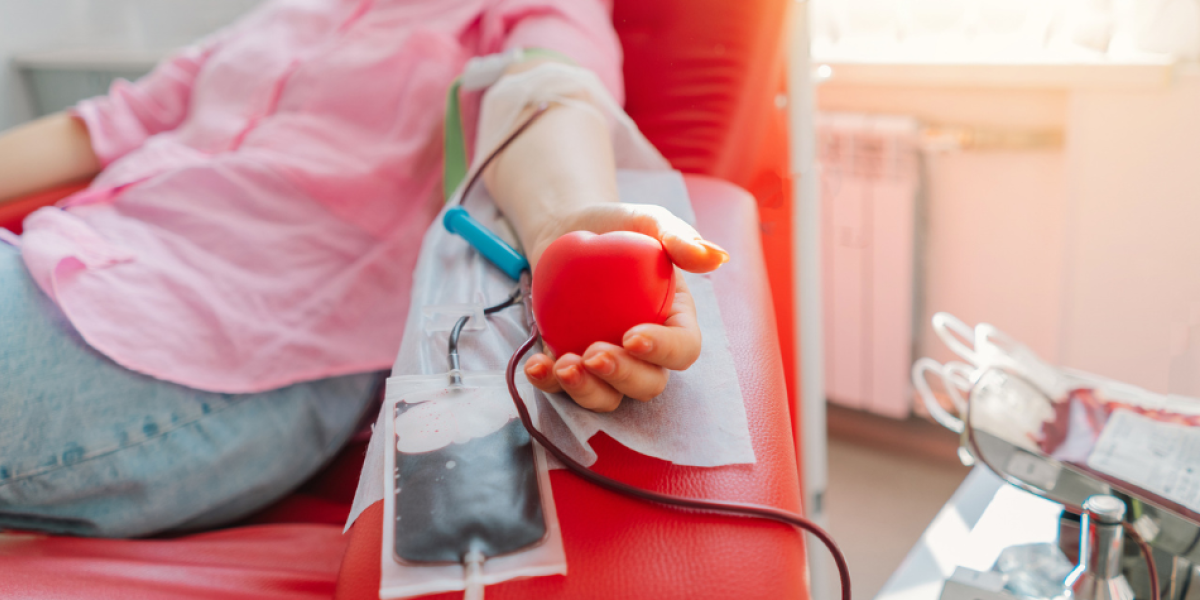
pixel 633 289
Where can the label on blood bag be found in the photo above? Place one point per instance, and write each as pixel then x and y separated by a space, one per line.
pixel 1163 458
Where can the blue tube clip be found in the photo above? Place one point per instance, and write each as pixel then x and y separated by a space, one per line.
pixel 496 250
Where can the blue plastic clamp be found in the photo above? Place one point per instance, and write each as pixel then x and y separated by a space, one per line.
pixel 496 250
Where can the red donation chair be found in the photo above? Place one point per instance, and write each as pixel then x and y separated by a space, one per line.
pixel 703 81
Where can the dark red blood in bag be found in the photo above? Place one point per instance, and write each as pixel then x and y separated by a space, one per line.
pixel 1092 414
pixel 593 288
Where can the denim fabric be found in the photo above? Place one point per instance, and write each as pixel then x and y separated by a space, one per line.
pixel 88 447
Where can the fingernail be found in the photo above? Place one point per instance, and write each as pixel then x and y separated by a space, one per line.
pixel 713 248
pixel 569 375
pixel 639 344
pixel 537 371
pixel 601 363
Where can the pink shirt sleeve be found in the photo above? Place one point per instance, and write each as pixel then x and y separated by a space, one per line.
pixel 132 112
pixel 579 29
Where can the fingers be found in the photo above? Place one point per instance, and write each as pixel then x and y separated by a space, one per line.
pixel 626 374
pixel 585 389
pixel 539 369
pixel 676 343
pixel 568 374
pixel 675 348
pixel 598 380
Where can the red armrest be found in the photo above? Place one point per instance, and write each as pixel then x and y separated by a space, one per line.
pixel 14 211
pixel 621 548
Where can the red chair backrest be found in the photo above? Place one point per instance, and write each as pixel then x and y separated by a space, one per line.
pixel 705 80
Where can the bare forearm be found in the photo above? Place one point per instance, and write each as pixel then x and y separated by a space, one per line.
pixel 560 176
pixel 50 151
pixel 562 163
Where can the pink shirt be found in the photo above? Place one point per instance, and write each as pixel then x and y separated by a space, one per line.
pixel 265 193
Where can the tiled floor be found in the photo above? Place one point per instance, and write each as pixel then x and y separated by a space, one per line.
pixel 880 499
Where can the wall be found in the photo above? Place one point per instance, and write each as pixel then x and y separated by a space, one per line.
pixel 1086 252
pixel 1134 253
pixel 991 222
pixel 994 245
pixel 33 25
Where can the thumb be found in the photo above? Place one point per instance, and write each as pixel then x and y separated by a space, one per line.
pixel 687 249
pixel 696 255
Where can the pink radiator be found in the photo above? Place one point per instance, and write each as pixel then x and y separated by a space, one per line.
pixel 869 175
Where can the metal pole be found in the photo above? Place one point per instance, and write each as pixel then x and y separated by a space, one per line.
pixel 806 220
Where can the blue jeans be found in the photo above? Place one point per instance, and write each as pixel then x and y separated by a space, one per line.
pixel 88 447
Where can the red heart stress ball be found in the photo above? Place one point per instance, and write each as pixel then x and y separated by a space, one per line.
pixel 593 288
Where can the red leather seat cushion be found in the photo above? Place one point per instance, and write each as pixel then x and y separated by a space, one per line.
pixel 621 548
pixel 292 562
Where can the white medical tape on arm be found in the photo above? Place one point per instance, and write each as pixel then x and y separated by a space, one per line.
pixel 554 82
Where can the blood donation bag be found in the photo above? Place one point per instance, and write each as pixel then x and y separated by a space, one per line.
pixel 465 477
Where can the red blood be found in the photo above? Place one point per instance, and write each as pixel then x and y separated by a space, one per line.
pixel 593 288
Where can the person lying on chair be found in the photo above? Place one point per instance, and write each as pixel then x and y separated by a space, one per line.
pixel 197 332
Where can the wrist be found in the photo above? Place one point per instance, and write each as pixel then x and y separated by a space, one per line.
pixel 579 213
pixel 542 234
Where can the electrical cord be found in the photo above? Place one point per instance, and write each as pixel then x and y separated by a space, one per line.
pixel 973 444
pixel 612 485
